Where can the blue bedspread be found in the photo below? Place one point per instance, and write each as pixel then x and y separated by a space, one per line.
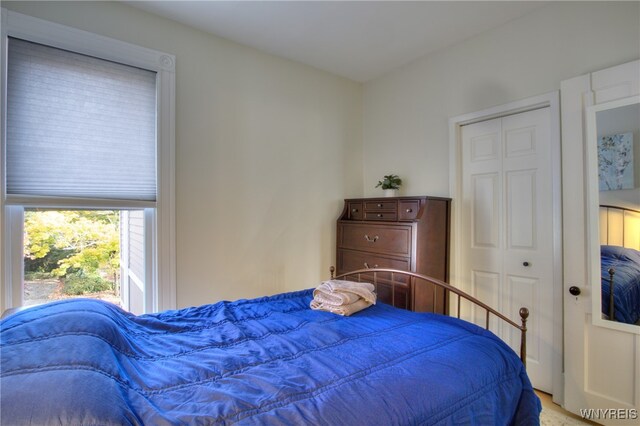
pixel 270 361
pixel 626 291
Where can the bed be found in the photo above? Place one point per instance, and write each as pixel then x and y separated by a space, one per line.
pixel 620 268
pixel 620 263
pixel 270 360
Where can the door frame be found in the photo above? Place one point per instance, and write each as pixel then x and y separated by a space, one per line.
pixel 549 100
pixel 587 343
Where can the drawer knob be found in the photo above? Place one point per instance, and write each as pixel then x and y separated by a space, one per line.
pixel 371 240
pixel 366 265
pixel 354 210
pixel 380 215
pixel 409 210
pixel 379 205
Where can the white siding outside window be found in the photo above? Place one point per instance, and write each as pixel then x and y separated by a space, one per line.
pixel 132 263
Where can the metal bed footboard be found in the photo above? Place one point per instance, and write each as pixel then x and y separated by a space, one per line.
pixel 394 273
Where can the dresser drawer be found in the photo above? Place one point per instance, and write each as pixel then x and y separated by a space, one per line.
pixel 382 239
pixel 381 205
pixel 392 216
pixel 408 209
pixel 353 260
pixel 398 294
pixel 356 212
pixel 401 299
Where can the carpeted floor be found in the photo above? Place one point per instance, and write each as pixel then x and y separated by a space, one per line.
pixel 550 417
pixel 554 415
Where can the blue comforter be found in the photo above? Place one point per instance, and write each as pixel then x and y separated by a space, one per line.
pixel 270 361
pixel 626 290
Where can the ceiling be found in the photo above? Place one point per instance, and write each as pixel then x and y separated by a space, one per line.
pixel 359 40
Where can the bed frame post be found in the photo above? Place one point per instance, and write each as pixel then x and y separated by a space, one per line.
pixel 524 314
pixel 612 308
pixel 332 270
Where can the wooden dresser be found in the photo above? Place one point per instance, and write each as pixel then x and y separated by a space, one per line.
pixel 407 233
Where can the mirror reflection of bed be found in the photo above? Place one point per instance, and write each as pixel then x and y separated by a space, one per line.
pixel 620 263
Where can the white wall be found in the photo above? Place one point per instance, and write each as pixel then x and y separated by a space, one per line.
pixel 266 149
pixel 406 112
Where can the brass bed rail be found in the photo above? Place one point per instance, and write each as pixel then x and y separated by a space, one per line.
pixel 612 306
pixel 524 312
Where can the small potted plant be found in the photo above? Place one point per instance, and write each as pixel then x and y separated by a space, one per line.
pixel 390 184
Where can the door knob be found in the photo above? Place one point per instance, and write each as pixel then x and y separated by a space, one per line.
pixel 575 291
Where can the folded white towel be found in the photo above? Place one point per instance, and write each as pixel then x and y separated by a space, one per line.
pixel 344 310
pixel 343 297
pixel 334 298
pixel 340 292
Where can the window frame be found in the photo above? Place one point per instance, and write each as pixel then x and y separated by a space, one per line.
pixel 159 215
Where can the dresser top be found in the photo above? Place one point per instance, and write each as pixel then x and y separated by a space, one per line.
pixel 414 197
pixel 388 209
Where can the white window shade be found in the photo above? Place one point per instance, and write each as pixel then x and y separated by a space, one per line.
pixel 78 126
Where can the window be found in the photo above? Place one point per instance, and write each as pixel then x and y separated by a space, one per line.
pixel 77 253
pixel 89 125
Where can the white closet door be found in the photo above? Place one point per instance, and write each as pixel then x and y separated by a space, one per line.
pixel 507 228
